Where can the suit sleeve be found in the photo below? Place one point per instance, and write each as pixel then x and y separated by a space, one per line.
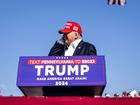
pixel 56 50
pixel 92 50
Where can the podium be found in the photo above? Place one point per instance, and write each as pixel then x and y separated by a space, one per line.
pixel 61 75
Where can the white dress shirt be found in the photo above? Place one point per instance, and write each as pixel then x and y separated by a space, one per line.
pixel 72 47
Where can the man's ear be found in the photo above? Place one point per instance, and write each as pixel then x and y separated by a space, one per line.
pixel 76 35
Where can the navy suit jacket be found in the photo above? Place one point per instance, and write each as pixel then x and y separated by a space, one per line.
pixel 83 48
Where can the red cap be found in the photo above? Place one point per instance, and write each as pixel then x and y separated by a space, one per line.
pixel 71 26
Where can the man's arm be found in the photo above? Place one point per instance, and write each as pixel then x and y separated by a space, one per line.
pixel 57 49
pixel 92 50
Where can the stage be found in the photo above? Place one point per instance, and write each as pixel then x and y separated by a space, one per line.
pixel 71 100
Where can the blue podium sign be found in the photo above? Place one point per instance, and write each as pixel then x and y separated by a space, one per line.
pixel 61 71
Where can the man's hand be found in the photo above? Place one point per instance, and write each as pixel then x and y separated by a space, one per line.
pixel 61 41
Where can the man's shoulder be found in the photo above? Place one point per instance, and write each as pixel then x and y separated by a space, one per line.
pixel 89 48
pixel 87 43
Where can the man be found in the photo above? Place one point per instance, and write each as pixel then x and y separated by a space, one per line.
pixel 111 2
pixel 122 2
pixel 119 2
pixel 71 44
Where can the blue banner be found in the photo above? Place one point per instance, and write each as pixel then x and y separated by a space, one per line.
pixel 61 71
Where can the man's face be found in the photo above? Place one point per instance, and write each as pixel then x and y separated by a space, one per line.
pixel 70 37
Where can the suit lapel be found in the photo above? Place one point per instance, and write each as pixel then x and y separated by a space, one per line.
pixel 78 48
